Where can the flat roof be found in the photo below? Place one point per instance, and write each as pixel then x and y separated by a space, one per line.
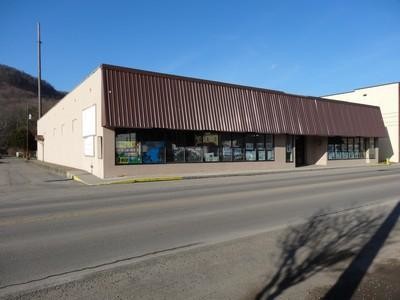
pixel 361 88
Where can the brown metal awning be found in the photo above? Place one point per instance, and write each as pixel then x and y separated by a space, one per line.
pixel 141 99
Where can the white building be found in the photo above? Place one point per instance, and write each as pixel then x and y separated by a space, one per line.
pixel 387 97
pixel 128 122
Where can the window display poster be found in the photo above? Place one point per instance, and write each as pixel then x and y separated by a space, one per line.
pixel 179 154
pixel 249 146
pixel 237 154
pixel 153 152
pixel 236 142
pixel 194 154
pixel 270 155
pixel 226 153
pixel 226 142
pixel 127 152
pixel 210 153
pixel 251 155
pixel 260 146
pixel 331 155
pixel 261 154
pixel 210 156
pixel 198 140
pixel 210 138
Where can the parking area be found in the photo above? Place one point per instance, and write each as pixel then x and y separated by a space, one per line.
pixel 20 176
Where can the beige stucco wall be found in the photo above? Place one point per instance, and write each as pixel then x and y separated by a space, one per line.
pixel 316 147
pixel 387 98
pixel 62 128
pixel 111 170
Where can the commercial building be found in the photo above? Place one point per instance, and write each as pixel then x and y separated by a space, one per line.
pixel 128 122
pixel 387 97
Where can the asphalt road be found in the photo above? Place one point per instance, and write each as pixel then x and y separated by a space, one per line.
pixel 50 226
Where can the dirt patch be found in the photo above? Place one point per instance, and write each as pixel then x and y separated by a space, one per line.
pixel 382 282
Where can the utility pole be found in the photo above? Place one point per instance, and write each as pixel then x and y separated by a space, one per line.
pixel 39 72
pixel 27 133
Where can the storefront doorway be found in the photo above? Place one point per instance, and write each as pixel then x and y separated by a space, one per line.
pixel 300 151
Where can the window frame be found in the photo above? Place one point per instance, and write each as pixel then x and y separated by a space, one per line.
pixel 289 155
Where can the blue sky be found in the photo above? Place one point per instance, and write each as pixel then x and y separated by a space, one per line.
pixel 304 47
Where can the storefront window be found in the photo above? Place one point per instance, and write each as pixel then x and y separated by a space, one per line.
pixel 362 148
pixel 250 144
pixel 289 148
pixel 175 149
pixel 153 146
pixel 210 147
pixel 357 148
pixel 153 152
pixel 351 148
pixel 127 149
pixel 156 146
pixel 193 148
pixel 338 150
pixel 260 145
pixel 226 147
pixel 346 148
pixel 270 147
pixel 372 148
pixel 345 154
pixel 237 147
pixel 194 154
pixel 331 151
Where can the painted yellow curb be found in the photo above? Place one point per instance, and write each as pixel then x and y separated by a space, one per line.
pixel 76 178
pixel 146 179
pixel 120 181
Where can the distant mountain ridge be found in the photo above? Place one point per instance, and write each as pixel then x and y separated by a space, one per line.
pixel 17 91
pixel 19 79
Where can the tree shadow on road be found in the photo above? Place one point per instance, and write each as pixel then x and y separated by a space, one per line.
pixel 323 241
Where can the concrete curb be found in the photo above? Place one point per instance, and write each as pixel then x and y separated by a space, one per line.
pixel 276 172
pixel 130 180
pixel 56 169
pixel 191 177
pixel 78 175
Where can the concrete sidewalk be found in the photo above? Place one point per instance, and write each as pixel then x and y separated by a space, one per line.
pixel 89 179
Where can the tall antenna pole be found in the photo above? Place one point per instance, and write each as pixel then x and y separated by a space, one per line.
pixel 27 132
pixel 39 72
